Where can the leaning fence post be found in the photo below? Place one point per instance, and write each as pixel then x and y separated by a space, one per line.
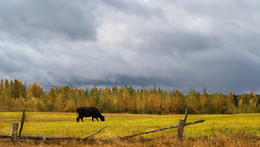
pixel 22 122
pixel 186 115
pixel 182 124
pixel 14 131
pixel 180 129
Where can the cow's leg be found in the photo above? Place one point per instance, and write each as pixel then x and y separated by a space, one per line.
pixel 82 119
pixel 92 118
pixel 97 119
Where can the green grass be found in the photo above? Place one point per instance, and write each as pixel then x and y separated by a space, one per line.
pixel 55 124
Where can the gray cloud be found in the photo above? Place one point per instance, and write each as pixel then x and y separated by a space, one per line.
pixel 28 20
pixel 173 44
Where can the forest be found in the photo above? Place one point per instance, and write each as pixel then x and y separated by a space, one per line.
pixel 16 96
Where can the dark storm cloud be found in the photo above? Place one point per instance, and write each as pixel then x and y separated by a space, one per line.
pixel 173 44
pixel 29 19
pixel 183 42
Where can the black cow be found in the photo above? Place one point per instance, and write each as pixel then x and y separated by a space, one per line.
pixel 89 112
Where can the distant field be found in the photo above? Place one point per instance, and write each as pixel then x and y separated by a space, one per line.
pixel 55 124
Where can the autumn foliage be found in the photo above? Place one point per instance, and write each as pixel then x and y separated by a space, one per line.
pixel 15 95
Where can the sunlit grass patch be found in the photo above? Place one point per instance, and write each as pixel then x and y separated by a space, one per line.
pixel 56 124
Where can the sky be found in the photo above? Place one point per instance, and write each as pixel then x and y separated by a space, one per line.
pixel 173 44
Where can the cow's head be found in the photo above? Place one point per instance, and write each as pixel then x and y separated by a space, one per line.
pixel 102 118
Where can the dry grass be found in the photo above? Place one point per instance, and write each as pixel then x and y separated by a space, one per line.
pixel 219 141
pixel 217 130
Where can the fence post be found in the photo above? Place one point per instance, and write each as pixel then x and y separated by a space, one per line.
pixel 181 125
pixel 14 131
pixel 22 122
pixel 180 128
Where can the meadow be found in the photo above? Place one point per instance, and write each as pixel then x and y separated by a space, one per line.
pixel 60 124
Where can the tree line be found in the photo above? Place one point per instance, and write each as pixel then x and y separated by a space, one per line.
pixel 16 96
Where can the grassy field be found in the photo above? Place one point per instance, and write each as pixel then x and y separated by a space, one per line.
pixel 55 124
